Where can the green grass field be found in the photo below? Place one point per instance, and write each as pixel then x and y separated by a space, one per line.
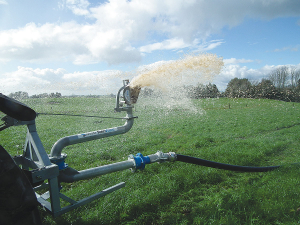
pixel 252 132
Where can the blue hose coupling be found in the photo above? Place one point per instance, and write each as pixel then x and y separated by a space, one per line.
pixel 140 161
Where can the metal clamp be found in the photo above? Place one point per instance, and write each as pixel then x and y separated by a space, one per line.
pixel 60 161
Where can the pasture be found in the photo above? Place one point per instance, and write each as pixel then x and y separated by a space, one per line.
pixel 247 132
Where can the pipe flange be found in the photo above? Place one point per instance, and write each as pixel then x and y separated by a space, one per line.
pixel 131 157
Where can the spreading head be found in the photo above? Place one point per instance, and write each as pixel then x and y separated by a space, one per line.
pixel 130 93
pixel 134 93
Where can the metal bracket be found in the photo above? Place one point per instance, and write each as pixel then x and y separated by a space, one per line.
pixel 43 200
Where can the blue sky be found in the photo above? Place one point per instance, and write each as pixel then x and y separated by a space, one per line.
pixel 88 47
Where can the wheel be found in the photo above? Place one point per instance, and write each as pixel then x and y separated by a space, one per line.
pixel 18 203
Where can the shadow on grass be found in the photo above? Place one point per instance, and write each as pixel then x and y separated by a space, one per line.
pixel 66 220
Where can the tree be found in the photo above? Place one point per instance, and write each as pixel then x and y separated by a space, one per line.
pixel 239 88
pixel 295 76
pixel 199 91
pixel 190 91
pixel 19 95
pixel 266 89
pixel 212 91
pixel 202 91
pixel 279 76
pixel 56 95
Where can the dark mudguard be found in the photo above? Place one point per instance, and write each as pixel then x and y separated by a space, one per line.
pixel 16 109
pixel 18 203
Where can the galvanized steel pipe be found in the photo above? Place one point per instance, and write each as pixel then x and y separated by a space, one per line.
pixel 79 138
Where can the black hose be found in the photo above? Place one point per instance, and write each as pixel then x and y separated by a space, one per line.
pixel 203 162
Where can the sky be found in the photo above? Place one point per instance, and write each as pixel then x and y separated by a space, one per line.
pixel 89 47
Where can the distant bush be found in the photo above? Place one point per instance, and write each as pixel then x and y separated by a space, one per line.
pixel 46 95
pixel 239 88
pixel 19 95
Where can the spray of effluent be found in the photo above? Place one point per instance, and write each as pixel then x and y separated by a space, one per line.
pixel 169 81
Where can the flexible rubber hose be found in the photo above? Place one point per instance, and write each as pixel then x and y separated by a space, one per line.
pixel 203 162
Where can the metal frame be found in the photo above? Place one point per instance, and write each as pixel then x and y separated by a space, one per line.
pixel 40 167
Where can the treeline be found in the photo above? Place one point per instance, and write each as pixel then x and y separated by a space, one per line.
pixel 19 95
pixel 282 83
pixel 199 91
pixel 24 95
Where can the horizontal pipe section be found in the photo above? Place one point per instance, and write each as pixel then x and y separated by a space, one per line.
pixel 70 175
pixel 98 171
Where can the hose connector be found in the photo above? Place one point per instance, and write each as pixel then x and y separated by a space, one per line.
pixel 161 157
pixel 140 161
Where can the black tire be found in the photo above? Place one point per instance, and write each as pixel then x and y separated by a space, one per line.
pixel 18 203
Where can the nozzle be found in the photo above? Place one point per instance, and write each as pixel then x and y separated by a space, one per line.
pixel 130 95
pixel 134 93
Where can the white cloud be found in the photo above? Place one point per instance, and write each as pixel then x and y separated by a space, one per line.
pixel 3 2
pixel 289 48
pixel 95 82
pixel 78 7
pixel 232 70
pixel 118 29
pixel 48 41
pixel 170 44
pixel 237 61
pixel 36 81
pixel 207 46
pixel 25 79
pixel 82 44
pixel 176 44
